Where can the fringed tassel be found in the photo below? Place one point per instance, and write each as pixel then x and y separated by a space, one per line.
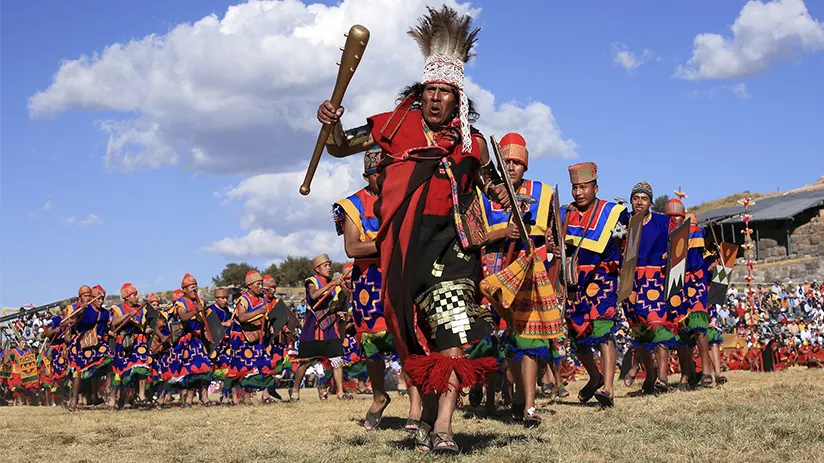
pixel 431 373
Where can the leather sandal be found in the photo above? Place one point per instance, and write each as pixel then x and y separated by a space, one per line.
pixel 443 443
pixel 373 420
pixel 423 440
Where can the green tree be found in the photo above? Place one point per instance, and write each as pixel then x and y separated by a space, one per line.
pixel 233 274
pixel 660 204
pixel 337 267
pixel 294 270
pixel 274 271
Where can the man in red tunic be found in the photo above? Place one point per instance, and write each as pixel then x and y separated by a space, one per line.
pixel 429 237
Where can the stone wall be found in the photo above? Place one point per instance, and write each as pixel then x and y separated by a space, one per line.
pixel 808 239
pixel 789 270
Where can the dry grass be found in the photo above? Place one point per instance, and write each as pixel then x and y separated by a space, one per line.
pixel 755 418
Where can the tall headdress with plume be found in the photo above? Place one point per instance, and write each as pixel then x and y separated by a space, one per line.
pixel 446 40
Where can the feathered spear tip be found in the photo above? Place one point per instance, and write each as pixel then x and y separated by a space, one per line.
pixel 442 32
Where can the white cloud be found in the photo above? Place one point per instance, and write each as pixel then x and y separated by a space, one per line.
pixel 622 56
pixel 740 91
pixel 238 95
pixel 762 34
pixel 90 219
pixel 47 206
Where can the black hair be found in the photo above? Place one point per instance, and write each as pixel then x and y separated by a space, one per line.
pixel 417 90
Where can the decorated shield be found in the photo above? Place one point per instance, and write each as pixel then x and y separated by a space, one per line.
pixel 556 273
pixel 723 273
pixel 677 259
pixel 636 224
pixel 278 318
pixel 28 368
pixel 213 329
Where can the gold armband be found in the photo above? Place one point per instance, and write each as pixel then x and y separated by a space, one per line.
pixel 340 137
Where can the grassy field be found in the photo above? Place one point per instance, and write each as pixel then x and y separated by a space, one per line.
pixel 776 417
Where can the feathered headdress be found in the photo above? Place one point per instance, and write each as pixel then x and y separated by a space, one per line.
pixel 446 41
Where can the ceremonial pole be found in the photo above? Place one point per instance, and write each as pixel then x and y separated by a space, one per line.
pixel 747 201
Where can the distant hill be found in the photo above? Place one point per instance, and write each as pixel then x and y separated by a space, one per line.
pixel 732 200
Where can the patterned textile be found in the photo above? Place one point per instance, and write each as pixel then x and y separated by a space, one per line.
pixel 319 338
pixel 132 363
pixel 360 207
pixel 453 317
pixel 418 215
pixel 714 336
pixel 195 366
pixel 24 373
pixel 598 262
pixel 251 363
pixel 695 294
pixel 376 346
pixel 524 296
pixel 536 215
pixel 689 326
pixel 90 362
pixel 46 373
pixel 59 359
pixel 367 306
pixel 539 349
pixel 221 356
pixel 646 308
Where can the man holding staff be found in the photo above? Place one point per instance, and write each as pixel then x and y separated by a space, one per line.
pixel 429 239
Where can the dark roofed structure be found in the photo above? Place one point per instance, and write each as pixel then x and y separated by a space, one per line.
pixel 774 221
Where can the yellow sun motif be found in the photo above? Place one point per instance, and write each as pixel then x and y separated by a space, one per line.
pixel 675 301
pixel 653 295
pixel 363 297
pixel 691 292
pixel 592 289
pixel 247 353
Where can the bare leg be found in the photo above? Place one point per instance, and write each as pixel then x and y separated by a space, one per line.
pixel 608 365
pixel 529 377
pixel 704 352
pixel 337 373
pixel 587 359
pixel 516 369
pixel 490 382
pixel 376 369
pixel 141 390
pixel 415 399
pixel 645 357
pixel 75 389
pixel 299 373
pixel 448 399
pixel 685 362
pixel 662 356
pixel 715 354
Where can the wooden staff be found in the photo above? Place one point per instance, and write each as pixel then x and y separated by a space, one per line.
pixel 79 309
pixel 326 295
pixel 356 41
pixel 126 320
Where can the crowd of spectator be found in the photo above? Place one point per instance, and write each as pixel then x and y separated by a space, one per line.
pixel 791 314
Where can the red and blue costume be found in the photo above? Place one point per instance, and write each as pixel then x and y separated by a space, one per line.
pixel 195 366
pixel 592 316
pixel 131 362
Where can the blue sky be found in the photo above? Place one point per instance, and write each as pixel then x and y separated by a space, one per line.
pixel 70 217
